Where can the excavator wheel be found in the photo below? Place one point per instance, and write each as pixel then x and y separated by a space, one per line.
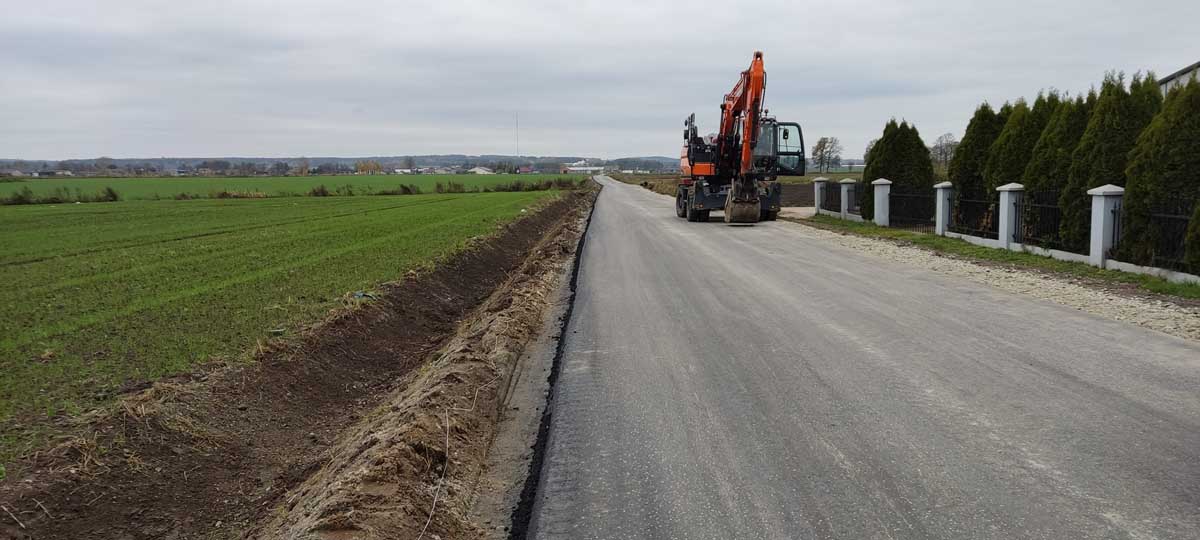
pixel 702 216
pixel 681 203
pixel 768 215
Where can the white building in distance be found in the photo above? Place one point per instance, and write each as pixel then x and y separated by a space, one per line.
pixel 1179 78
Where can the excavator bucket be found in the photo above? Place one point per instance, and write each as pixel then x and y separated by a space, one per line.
pixel 741 212
pixel 741 204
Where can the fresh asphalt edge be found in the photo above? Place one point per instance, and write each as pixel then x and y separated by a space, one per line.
pixel 522 513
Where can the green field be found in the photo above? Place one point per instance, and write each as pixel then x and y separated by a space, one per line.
pixel 98 295
pixel 273 186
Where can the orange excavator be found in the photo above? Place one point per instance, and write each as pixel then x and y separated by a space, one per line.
pixel 736 169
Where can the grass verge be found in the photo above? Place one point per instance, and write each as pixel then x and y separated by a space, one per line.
pixel 961 248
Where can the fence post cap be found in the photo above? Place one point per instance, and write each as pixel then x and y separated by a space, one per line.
pixel 1107 189
pixel 943 185
pixel 1011 187
pixel 882 182
pixel 820 180
pixel 847 181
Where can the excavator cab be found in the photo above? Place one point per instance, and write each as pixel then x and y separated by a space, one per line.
pixel 779 149
pixel 790 149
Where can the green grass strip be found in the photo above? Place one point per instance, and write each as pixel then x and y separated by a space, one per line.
pixel 964 249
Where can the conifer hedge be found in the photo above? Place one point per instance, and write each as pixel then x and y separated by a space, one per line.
pixel 1164 166
pixel 1119 117
pixel 966 167
pixel 901 156
pixel 1050 161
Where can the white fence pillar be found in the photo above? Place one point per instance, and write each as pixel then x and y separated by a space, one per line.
pixel 847 185
pixel 820 184
pixel 1010 195
pixel 1106 202
pixel 941 222
pixel 883 205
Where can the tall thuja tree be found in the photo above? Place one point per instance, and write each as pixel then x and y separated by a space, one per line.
pixel 916 172
pixel 879 158
pixel 1043 107
pixel 1103 152
pixel 1163 166
pixel 1010 153
pixel 966 167
pixel 1050 162
pixel 900 156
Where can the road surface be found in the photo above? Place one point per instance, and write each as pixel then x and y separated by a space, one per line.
pixel 757 382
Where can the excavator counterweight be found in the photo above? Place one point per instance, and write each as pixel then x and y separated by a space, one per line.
pixel 736 169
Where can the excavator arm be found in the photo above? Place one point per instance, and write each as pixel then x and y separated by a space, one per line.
pixel 741 114
pixel 744 104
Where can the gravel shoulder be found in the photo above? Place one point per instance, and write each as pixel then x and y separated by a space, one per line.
pixel 1173 317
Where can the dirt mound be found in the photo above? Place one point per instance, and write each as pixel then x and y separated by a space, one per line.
pixel 425 446
pixel 220 454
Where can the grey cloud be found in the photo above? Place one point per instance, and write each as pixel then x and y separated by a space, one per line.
pixel 611 78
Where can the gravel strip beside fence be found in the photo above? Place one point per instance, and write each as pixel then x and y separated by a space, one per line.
pixel 1165 317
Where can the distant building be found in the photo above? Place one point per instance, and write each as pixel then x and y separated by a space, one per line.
pixel 13 173
pixel 584 170
pixel 480 170
pixel 525 169
pixel 1179 78
pixel 404 171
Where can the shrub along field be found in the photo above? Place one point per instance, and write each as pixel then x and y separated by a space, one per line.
pixel 102 295
pixel 275 186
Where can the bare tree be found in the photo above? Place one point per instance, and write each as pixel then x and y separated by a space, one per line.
pixel 368 166
pixel 942 151
pixel 826 153
pixel 303 167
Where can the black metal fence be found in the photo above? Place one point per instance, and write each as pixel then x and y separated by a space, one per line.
pixel 1039 217
pixel 976 216
pixel 831 199
pixel 1168 229
pixel 854 199
pixel 912 211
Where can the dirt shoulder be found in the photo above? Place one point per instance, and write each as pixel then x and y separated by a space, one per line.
pixel 342 434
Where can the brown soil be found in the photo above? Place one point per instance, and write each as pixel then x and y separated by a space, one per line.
pixel 336 436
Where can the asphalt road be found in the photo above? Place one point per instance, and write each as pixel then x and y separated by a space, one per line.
pixel 757 382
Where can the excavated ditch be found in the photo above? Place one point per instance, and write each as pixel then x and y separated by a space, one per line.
pixel 358 430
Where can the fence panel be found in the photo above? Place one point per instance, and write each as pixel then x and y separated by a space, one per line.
pixel 912 211
pixel 1168 227
pixel 1116 231
pixel 1038 219
pixel 854 198
pixel 976 216
pixel 831 200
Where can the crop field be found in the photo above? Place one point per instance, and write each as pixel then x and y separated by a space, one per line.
pixel 272 186
pixel 101 295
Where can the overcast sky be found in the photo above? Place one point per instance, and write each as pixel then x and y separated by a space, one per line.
pixel 608 78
